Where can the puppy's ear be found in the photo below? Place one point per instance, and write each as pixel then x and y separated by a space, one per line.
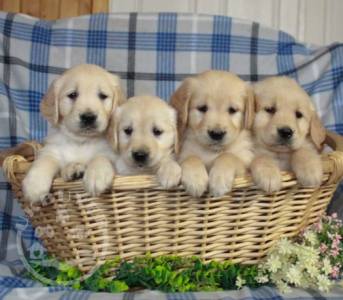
pixel 180 102
pixel 249 115
pixel 112 131
pixel 49 104
pixel 119 95
pixel 176 144
pixel 317 131
pixel 176 134
pixel 115 83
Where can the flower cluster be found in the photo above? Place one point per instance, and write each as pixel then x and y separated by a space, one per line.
pixel 313 260
pixel 330 231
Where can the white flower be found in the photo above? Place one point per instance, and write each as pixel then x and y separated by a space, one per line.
pixel 273 263
pixel 324 283
pixel 307 256
pixel 311 237
pixel 283 287
pixel 285 246
pixel 240 282
pixel 305 281
pixel 275 277
pixel 312 271
pixel 294 275
pixel 326 266
pixel 262 278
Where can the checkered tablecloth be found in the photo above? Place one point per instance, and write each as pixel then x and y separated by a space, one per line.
pixel 152 53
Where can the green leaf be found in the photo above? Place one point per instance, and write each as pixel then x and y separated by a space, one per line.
pixel 77 285
pixel 73 272
pixel 179 281
pixel 61 279
pixel 117 286
pixel 64 267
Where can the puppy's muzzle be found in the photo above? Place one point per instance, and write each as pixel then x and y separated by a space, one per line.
pixel 141 157
pixel 216 135
pixel 285 133
pixel 88 120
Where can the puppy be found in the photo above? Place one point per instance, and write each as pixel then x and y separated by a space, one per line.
pixel 214 111
pixel 144 135
pixel 78 105
pixel 288 135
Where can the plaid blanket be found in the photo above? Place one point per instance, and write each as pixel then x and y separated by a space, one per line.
pixel 152 53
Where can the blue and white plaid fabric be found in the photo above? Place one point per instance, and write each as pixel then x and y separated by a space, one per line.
pixel 152 53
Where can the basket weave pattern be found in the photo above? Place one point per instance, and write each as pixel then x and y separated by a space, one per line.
pixel 139 217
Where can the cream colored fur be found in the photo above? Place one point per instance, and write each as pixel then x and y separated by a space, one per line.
pixel 71 148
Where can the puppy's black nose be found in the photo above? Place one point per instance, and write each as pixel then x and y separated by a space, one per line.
pixel 140 156
pixel 88 118
pixel 285 133
pixel 216 135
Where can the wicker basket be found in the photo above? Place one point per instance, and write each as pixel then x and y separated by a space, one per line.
pixel 139 217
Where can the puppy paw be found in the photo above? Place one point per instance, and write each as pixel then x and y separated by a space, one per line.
pixel 35 187
pixel 220 181
pixel 169 175
pixel 268 178
pixel 98 178
pixel 195 181
pixel 309 175
pixel 73 171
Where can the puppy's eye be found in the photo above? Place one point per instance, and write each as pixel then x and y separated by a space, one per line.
pixel 73 95
pixel 232 110
pixel 128 130
pixel 299 114
pixel 156 131
pixel 202 108
pixel 270 110
pixel 102 96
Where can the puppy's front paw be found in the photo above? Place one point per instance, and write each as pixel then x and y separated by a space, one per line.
pixel 220 181
pixel 169 175
pixel 195 181
pixel 73 171
pixel 35 187
pixel 267 178
pixel 98 179
pixel 309 175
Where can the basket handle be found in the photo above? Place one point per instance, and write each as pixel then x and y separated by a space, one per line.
pixel 335 164
pixel 334 140
pixel 26 150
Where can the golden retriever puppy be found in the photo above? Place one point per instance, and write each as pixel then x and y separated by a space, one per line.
pixel 288 135
pixel 213 115
pixel 78 105
pixel 144 136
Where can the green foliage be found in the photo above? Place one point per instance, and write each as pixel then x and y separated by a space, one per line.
pixel 165 273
